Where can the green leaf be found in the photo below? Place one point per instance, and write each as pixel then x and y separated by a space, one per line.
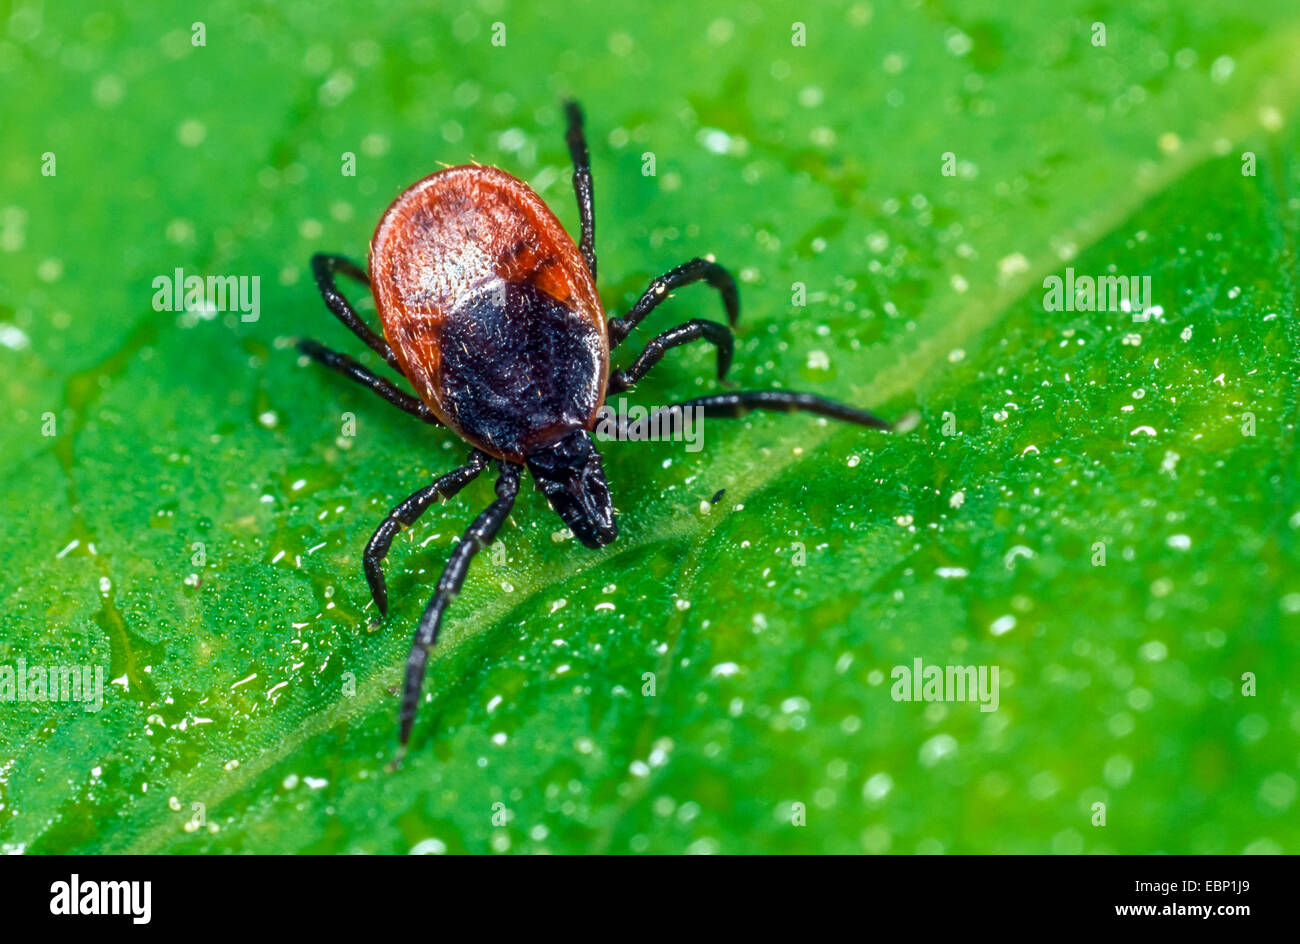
pixel 195 523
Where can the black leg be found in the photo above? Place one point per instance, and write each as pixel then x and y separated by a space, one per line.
pixel 718 334
pixel 324 267
pixel 686 273
pixel 355 371
pixel 478 536
pixel 577 142
pixel 406 514
pixel 740 403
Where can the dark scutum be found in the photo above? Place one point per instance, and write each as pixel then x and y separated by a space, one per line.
pixel 519 369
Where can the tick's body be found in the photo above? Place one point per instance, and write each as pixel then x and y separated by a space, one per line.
pixel 490 311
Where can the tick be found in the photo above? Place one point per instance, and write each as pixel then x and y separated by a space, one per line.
pixel 490 313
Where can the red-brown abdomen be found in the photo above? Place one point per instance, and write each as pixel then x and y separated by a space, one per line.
pixel 491 310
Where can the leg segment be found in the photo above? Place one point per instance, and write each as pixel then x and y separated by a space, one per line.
pixel 405 515
pixel 355 371
pixel 686 273
pixel 477 536
pixel 738 404
pixel 717 334
pixel 577 142
pixel 324 267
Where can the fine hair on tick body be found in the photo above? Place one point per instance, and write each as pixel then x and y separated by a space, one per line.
pixel 490 313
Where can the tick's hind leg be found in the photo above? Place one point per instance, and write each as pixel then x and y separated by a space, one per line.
pixel 717 334
pixel 354 370
pixel 478 536
pixel 324 267
pixel 577 142
pixel 405 515
pixel 739 403
pixel 694 271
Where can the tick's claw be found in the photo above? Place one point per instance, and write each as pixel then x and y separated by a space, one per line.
pixel 378 590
